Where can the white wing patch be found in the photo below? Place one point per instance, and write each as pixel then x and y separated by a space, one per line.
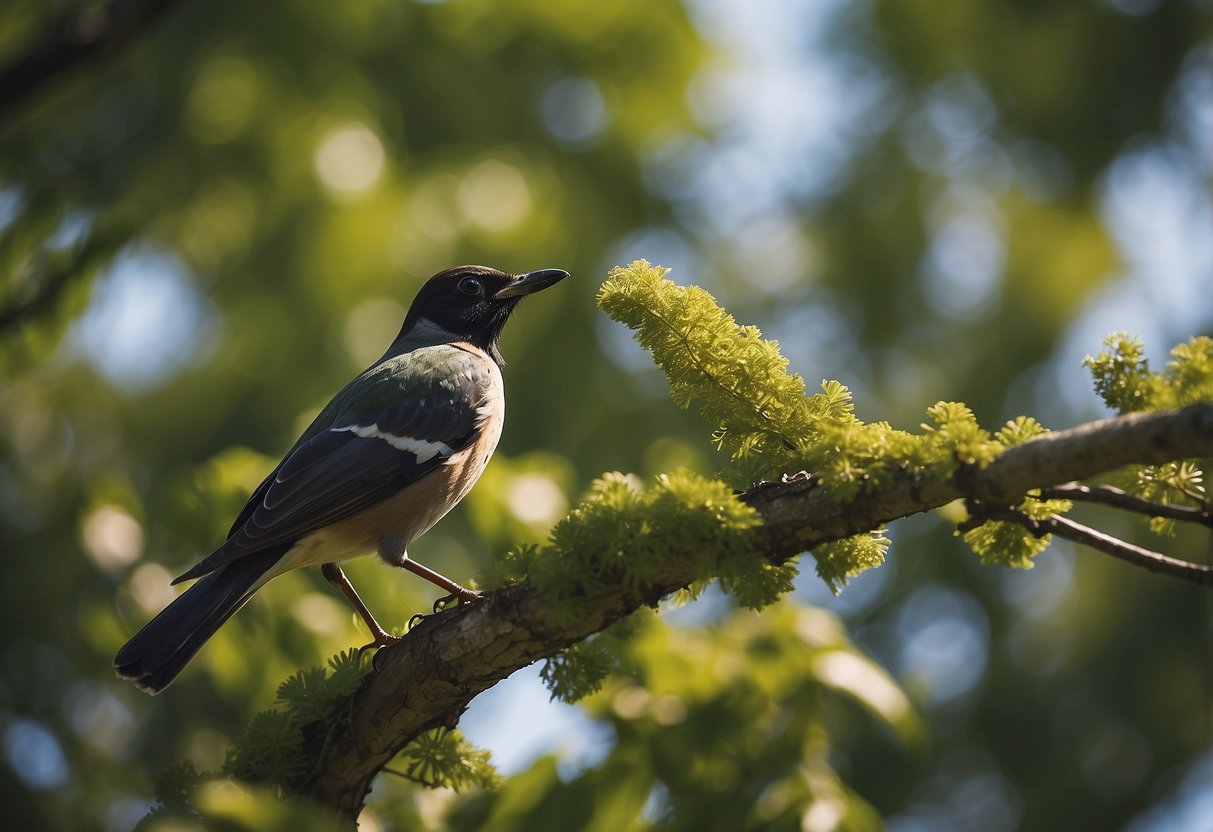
pixel 422 449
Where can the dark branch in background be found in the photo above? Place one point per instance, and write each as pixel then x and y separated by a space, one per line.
pixel 429 677
pixel 52 276
pixel 1111 496
pixel 91 34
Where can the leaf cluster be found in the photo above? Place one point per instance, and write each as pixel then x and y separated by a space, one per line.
pixel 270 752
pixel 724 726
pixel 759 411
pixel 443 758
pixel 1125 382
pixel 760 414
pixel 583 668
pixel 624 534
pixel 270 749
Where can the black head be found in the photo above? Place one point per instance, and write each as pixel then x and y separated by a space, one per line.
pixel 474 302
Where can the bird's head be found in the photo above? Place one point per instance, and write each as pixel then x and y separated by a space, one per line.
pixel 472 303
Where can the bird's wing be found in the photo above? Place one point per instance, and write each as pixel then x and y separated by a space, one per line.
pixel 357 462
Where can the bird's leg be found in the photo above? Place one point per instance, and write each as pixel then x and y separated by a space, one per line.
pixel 462 595
pixel 334 575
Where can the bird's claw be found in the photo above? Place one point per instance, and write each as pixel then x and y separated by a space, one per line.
pixel 442 604
pixel 382 639
pixel 463 596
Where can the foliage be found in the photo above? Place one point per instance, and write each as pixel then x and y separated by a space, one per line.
pixel 760 414
pixel 442 758
pixel 1126 383
pixel 720 727
pixel 270 752
pixel 220 805
pixel 758 410
pixel 174 789
pixel 313 694
pixel 620 534
pixel 846 558
pixel 578 671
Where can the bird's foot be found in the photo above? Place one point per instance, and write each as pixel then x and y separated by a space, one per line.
pixel 459 596
pixel 444 603
pixel 382 639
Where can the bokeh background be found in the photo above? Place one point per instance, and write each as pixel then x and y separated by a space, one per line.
pixel 925 199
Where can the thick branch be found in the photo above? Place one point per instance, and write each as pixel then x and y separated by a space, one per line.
pixel 799 516
pixel 429 677
pixel 94 32
pixel 1094 448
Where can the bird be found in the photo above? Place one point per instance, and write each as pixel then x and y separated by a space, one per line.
pixel 396 449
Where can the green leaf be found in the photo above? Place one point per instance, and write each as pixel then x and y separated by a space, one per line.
pixel 842 559
pixel 739 378
pixel 442 758
pixel 578 671
pixel 1000 543
pixel 269 750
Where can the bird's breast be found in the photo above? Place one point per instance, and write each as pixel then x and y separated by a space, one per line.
pixel 389 526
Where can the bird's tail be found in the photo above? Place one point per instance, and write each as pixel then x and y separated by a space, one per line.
pixel 158 652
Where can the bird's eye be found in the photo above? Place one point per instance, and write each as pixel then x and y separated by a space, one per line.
pixel 469 286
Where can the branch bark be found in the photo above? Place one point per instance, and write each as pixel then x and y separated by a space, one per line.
pixel 1197 573
pixel 1108 495
pixel 428 678
pixel 93 33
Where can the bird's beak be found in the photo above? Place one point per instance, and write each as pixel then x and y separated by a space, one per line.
pixel 530 283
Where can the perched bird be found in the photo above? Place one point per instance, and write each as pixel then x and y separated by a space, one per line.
pixel 393 452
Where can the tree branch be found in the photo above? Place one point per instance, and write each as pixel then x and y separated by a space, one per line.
pixel 430 676
pixel 53 275
pixel 94 33
pixel 1094 448
pixel 1111 496
pixel 1064 527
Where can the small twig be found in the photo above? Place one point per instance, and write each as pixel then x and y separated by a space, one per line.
pixel 36 295
pixel 1063 527
pixel 41 292
pixel 1146 558
pixel 1196 496
pixel 92 33
pixel 1111 496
